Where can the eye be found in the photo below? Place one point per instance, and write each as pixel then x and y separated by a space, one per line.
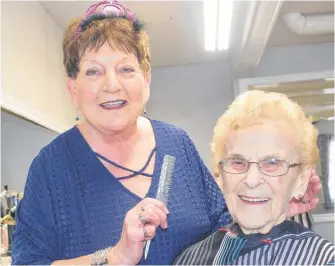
pixel 272 164
pixel 127 70
pixel 93 72
pixel 238 163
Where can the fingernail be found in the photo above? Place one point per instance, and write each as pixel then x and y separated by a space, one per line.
pixel 166 211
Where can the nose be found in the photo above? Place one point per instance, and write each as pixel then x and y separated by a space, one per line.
pixel 112 83
pixel 253 177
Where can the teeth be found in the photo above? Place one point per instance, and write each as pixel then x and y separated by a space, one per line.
pixel 255 199
pixel 114 103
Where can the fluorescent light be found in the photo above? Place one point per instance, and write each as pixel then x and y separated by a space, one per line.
pixel 211 23
pixel 225 17
pixel 217 20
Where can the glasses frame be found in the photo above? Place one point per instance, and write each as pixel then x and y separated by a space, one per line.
pixel 289 166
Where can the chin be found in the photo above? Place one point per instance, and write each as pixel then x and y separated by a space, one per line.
pixel 253 225
pixel 115 126
pixel 106 128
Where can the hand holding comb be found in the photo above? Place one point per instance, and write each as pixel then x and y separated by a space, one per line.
pixel 165 181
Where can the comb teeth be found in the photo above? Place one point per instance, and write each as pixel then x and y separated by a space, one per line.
pixel 165 178
pixel 164 185
pixel 168 180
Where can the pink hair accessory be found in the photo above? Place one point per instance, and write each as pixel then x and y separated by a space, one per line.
pixel 107 7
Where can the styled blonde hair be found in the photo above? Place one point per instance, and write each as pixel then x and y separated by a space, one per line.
pixel 119 33
pixel 256 107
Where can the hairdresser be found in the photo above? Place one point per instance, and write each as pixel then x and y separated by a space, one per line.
pixel 89 195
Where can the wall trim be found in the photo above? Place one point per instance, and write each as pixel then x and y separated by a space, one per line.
pixel 323 218
pixel 10 103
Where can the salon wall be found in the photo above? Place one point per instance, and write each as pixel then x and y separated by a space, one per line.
pixel 325 127
pixel 295 59
pixel 21 141
pixel 192 97
pixel 34 83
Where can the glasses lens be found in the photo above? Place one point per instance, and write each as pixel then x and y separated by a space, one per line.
pixel 235 165
pixel 273 167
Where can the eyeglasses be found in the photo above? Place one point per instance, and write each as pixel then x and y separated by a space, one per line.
pixel 268 167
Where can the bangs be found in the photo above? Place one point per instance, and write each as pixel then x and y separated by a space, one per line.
pixel 120 34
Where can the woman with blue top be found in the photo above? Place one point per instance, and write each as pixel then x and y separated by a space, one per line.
pixel 89 194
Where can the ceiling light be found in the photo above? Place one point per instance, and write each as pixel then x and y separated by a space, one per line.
pixel 217 21
pixel 224 25
pixel 211 23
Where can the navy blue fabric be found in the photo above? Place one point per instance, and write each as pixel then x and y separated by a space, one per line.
pixel 73 206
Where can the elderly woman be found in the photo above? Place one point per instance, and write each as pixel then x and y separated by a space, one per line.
pixel 263 150
pixel 90 194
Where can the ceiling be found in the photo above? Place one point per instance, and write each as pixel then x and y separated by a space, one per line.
pixel 282 35
pixel 175 28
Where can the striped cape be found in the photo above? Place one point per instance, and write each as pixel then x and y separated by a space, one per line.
pixel 288 243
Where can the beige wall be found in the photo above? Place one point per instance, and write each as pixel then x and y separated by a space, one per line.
pixel 33 81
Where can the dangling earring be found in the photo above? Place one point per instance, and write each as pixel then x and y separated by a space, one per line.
pixel 77 115
pixel 144 110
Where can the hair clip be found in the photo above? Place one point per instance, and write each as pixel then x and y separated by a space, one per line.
pixel 106 8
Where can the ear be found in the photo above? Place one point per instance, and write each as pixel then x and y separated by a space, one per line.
pixel 72 89
pixel 301 183
pixel 147 81
pixel 216 170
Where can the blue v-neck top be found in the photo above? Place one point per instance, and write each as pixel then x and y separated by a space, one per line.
pixel 73 206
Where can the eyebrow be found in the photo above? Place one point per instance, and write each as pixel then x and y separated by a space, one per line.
pixel 102 60
pixel 268 156
pixel 91 61
pixel 236 155
pixel 271 155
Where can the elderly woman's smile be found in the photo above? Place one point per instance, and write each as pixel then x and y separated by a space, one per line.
pixel 253 200
pixel 258 183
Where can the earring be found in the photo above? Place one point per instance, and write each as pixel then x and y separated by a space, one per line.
pixel 77 115
pixel 144 110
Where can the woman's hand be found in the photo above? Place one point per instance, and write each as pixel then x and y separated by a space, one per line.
pixel 310 200
pixel 140 225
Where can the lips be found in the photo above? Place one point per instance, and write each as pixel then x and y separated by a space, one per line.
pixel 113 105
pixel 254 200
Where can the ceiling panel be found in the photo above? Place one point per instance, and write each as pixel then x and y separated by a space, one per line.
pixel 308 7
pixel 282 35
